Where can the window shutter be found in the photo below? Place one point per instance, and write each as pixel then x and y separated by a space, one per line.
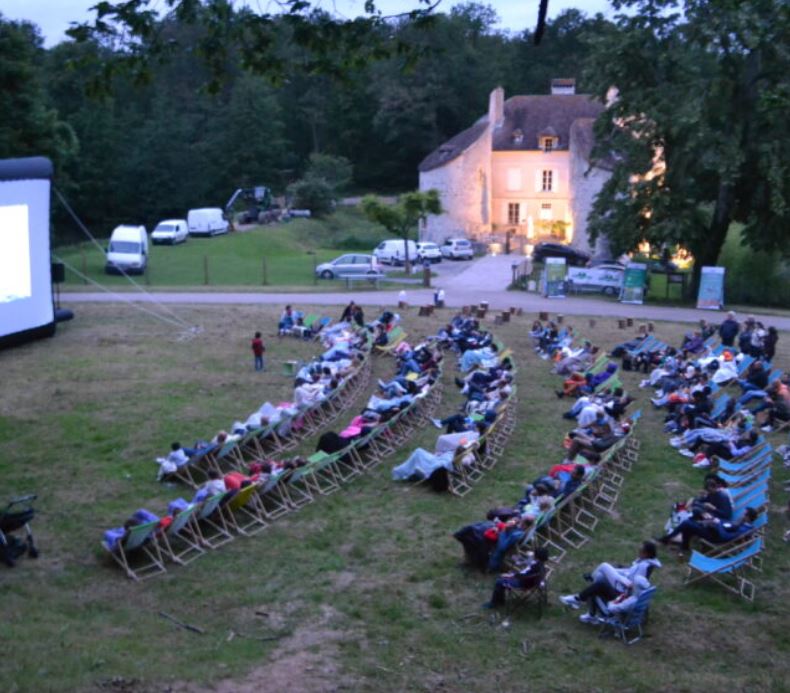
pixel 522 213
pixel 555 181
pixel 538 180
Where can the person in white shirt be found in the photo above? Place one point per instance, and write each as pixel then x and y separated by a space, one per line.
pixel 215 484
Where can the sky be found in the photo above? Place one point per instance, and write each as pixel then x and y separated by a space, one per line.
pixel 53 16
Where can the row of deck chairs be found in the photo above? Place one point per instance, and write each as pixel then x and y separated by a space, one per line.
pixel 472 461
pixel 219 519
pixel 729 564
pixel 279 437
pixel 395 337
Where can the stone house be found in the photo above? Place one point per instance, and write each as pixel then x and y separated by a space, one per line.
pixel 522 169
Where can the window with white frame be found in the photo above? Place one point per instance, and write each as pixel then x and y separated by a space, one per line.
pixel 545 211
pixel 548 181
pixel 513 212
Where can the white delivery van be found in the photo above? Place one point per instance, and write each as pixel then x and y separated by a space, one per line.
pixel 208 221
pixel 170 231
pixel 127 250
pixel 393 252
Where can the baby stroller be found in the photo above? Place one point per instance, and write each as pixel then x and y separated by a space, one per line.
pixel 16 515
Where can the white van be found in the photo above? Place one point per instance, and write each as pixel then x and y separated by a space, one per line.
pixel 170 231
pixel 127 250
pixel 208 221
pixel 393 252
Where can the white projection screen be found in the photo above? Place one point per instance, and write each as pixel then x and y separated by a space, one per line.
pixel 26 309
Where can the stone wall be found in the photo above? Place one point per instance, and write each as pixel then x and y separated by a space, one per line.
pixel 464 185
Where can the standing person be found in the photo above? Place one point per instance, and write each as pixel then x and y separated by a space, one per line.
pixel 257 351
pixel 728 330
pixel 348 312
pixel 769 343
pixel 359 316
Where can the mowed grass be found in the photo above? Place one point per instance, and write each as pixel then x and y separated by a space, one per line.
pixel 237 259
pixel 364 589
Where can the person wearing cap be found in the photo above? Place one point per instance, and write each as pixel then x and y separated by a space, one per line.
pixel 728 330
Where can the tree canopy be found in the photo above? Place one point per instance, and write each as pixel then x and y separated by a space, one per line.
pixel 697 135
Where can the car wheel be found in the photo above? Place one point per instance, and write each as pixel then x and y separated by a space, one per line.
pixel 372 273
pixel 609 291
pixel 327 274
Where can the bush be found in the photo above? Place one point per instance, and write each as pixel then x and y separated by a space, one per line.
pixel 753 277
pixel 314 194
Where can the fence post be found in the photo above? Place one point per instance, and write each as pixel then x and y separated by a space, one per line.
pixel 265 274
pixel 205 270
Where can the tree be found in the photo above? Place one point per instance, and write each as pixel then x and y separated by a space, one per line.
pixel 402 218
pixel 337 171
pixel 314 194
pixel 697 137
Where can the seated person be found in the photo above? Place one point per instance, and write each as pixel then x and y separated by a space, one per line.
pixel 115 536
pixel 421 464
pixel 211 488
pixel 710 528
pixel 528 577
pixel 287 321
pixel 609 583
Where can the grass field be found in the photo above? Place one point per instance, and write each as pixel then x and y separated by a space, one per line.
pixel 237 259
pixel 363 590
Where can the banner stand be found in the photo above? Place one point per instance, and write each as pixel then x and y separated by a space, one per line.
pixel 554 277
pixel 634 281
pixel 711 289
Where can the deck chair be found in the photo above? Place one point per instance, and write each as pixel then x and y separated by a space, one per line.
pixel 459 483
pixel 728 571
pixel 396 336
pixel 744 364
pixel 322 477
pixel 274 500
pixel 138 553
pixel 195 471
pixel 243 512
pixel 210 524
pixel 728 548
pixel 538 595
pixel 180 542
pixel 631 622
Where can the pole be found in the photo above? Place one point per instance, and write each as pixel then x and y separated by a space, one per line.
pixel 315 264
pixel 265 277
pixel 205 270
pixel 84 266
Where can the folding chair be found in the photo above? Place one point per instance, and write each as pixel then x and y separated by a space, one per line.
pixel 139 546
pixel 243 512
pixel 274 500
pixel 538 595
pixel 210 523
pixel 717 550
pixel 720 569
pixel 621 625
pixel 180 542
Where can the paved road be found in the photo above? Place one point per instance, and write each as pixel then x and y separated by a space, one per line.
pixel 498 300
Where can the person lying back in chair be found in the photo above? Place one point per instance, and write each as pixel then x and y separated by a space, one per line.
pixel 528 577
pixel 610 583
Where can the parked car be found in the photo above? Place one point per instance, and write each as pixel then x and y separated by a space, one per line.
pixel 208 221
pixel 392 252
pixel 429 251
pixel 573 257
pixel 127 250
pixel 457 249
pixel 170 231
pixel 352 263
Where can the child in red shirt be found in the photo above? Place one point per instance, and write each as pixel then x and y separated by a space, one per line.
pixel 257 351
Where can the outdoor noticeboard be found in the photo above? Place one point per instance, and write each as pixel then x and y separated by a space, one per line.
pixel 634 283
pixel 554 277
pixel 711 288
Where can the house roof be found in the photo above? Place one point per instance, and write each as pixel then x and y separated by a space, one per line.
pixel 454 147
pixel 533 115
pixel 538 115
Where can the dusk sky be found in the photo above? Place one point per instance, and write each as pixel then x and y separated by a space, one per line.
pixel 54 16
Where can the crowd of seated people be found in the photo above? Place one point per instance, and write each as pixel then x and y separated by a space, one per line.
pixel 486 385
pixel 549 341
pixel 344 354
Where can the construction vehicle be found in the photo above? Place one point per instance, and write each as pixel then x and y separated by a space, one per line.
pixel 254 205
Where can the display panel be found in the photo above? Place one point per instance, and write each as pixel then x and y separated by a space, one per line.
pixel 26 308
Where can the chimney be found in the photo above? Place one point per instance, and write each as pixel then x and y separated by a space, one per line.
pixel 560 86
pixel 496 107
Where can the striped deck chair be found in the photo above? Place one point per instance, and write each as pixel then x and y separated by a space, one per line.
pixel 180 542
pixel 727 571
pixel 745 363
pixel 138 553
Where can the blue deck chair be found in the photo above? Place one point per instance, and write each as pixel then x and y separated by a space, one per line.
pixel 744 364
pixel 774 375
pixel 632 622
pixel 721 549
pixel 720 406
pixel 720 569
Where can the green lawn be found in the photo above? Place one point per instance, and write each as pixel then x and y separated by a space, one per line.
pixel 237 259
pixel 363 589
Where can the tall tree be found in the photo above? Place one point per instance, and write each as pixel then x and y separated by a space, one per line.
pixel 697 136
pixel 402 218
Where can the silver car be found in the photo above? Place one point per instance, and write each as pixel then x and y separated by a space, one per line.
pixel 345 265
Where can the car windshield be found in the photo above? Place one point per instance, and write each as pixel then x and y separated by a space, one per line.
pixel 462 244
pixel 124 247
pixel 428 246
pixel 165 228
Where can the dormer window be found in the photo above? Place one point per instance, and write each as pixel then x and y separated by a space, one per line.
pixel 517 136
pixel 548 144
pixel 548 139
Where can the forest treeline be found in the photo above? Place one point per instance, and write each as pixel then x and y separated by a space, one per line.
pixel 146 149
